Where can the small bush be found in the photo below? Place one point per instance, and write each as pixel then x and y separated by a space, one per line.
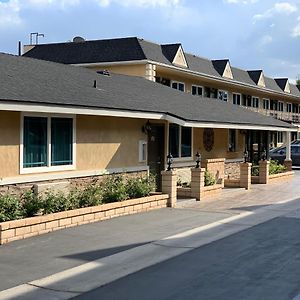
pixel 10 208
pixel 114 189
pixel 55 202
pixel 90 196
pixel 255 170
pixel 31 204
pixel 140 187
pixel 275 167
pixel 209 178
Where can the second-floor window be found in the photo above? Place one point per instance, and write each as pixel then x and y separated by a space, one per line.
pixel 280 106
pixel 266 104
pixel 236 98
pixel 223 95
pixel 255 102
pixel 197 90
pixel 289 107
pixel 178 85
pixel 210 92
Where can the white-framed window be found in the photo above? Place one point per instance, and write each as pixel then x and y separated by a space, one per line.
pixel 236 99
pixel 223 95
pixel 289 107
pixel 279 137
pixel 142 151
pixel 266 104
pixel 280 106
pixel 210 92
pixel 197 90
pixel 180 141
pixel 255 102
pixel 178 86
pixel 47 143
pixel 232 140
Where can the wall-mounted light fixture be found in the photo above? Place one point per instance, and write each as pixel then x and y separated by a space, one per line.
pixel 147 128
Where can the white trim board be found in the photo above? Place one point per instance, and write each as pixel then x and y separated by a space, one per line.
pixel 69 175
pixel 130 114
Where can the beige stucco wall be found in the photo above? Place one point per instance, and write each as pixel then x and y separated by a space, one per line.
pixel 105 142
pixel 9 143
pixel 133 70
pixel 220 148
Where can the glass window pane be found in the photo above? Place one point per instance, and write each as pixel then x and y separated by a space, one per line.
pixel 174 140
pixel 61 141
pixel 35 142
pixel 186 141
pixel 194 90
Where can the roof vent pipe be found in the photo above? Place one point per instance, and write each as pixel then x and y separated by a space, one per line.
pixel 95 83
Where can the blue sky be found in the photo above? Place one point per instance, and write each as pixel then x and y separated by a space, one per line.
pixel 253 34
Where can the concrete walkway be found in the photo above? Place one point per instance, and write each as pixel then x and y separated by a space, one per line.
pixel 71 262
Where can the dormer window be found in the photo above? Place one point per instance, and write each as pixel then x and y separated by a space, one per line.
pixel 223 67
pixel 258 77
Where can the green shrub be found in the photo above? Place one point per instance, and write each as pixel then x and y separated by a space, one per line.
pixel 31 204
pixel 10 208
pixel 275 167
pixel 54 202
pixel 209 178
pixel 90 196
pixel 114 189
pixel 255 170
pixel 140 187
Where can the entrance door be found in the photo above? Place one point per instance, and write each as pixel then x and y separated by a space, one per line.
pixel 156 153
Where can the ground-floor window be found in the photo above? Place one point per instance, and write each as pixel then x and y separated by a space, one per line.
pixel 47 142
pixel 180 141
pixel 232 140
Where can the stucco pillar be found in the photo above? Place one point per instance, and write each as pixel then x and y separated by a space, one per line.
pixel 169 186
pixel 245 177
pixel 197 182
pixel 288 159
pixel 264 171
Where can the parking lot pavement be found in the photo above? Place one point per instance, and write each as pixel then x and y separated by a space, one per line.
pixel 87 246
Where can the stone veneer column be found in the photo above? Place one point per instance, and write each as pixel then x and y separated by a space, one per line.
pixel 288 163
pixel 197 182
pixel 169 186
pixel 264 171
pixel 245 177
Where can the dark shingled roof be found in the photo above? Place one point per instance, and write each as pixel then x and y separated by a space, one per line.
pixel 255 75
pixel 220 65
pixel 26 80
pixel 282 82
pixel 170 50
pixel 133 48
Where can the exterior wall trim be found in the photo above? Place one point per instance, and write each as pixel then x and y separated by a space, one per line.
pixel 69 174
pixel 131 114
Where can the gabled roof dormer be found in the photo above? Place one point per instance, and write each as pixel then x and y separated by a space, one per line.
pixel 223 67
pixel 175 54
pixel 258 77
pixel 298 86
pixel 284 84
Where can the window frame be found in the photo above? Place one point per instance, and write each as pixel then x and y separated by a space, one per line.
pixel 180 158
pixel 197 87
pixel 47 168
pixel 289 107
pixel 142 144
pixel 255 102
pixel 266 100
pixel 236 141
pixel 240 100
pixel 223 92
pixel 178 82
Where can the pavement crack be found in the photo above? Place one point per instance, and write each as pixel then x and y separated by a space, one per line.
pixel 176 247
pixel 54 290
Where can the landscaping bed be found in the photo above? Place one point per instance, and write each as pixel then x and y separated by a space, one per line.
pixel 32 214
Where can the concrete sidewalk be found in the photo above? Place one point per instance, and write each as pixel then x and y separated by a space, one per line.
pixel 88 256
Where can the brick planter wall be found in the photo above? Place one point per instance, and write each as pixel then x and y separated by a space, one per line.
pixel 281 176
pixel 28 227
pixel 206 191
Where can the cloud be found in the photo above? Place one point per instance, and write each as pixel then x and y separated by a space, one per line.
pixel 296 29
pixel 9 13
pixel 280 8
pixel 141 3
pixel 240 1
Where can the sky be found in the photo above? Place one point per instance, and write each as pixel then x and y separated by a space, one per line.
pixel 252 34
